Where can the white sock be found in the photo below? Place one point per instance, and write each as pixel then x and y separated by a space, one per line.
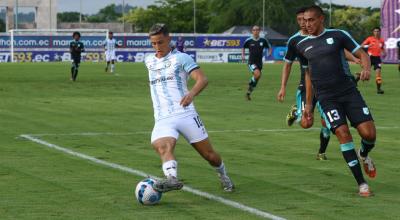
pixel 170 168
pixel 112 67
pixel 221 169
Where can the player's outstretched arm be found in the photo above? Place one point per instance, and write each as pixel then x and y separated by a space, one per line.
pixel 365 64
pixel 287 67
pixel 243 55
pixel 201 83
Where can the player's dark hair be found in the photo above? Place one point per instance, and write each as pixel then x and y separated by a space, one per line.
pixel 110 32
pixel 379 28
pixel 159 28
pixel 301 10
pixel 316 9
pixel 76 33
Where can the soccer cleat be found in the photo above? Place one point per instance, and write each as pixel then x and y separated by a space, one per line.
pixel 363 190
pixel 226 183
pixel 368 164
pixel 321 156
pixel 291 117
pixel 380 91
pixel 168 184
pixel 248 96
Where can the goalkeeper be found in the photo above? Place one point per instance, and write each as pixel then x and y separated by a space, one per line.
pixel 75 48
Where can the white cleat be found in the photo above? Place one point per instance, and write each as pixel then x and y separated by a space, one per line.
pixel 363 190
pixel 226 183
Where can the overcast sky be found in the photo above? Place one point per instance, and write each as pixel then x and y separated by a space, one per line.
pixel 93 6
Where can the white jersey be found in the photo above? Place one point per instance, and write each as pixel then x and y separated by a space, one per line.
pixel 110 44
pixel 168 83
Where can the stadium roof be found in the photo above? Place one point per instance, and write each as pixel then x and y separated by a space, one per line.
pixel 270 33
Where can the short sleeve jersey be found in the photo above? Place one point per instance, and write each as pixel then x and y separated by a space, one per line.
pixel 77 48
pixel 292 54
pixel 324 55
pixel 375 46
pixel 110 44
pixel 256 49
pixel 168 78
pixel 398 50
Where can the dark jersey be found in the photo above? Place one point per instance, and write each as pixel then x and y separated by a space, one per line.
pixel 256 49
pixel 398 50
pixel 76 48
pixel 324 55
pixel 292 54
pixel 180 45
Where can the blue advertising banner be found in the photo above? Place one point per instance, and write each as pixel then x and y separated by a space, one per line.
pixel 94 56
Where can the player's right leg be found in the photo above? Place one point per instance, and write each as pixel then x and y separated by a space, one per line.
pixel 75 69
pixel 377 63
pixel 107 56
pixel 163 139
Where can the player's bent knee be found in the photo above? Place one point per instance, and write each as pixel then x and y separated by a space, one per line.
pixel 343 134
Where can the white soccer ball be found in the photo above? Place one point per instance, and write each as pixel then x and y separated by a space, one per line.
pixel 146 194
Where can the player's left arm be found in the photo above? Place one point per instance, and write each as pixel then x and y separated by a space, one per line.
pixel 201 83
pixel 351 45
pixel 307 119
pixel 350 57
pixel 383 49
pixel 365 64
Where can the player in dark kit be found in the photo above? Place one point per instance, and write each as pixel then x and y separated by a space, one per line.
pixel 296 111
pixel 76 47
pixel 398 53
pixel 328 75
pixel 256 46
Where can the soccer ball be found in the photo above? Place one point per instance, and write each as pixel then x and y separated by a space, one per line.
pixel 145 193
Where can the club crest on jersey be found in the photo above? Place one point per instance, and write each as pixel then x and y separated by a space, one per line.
pixel 261 43
pixel 366 111
pixel 329 40
pixel 167 64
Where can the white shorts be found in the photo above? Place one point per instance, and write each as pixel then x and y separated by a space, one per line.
pixel 190 126
pixel 110 55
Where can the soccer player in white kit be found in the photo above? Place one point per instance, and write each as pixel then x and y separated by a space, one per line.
pixel 174 111
pixel 110 45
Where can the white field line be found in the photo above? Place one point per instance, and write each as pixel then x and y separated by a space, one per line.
pixel 206 195
pixel 211 131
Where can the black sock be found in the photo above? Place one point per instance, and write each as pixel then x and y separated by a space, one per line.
pixel 75 74
pixel 378 86
pixel 324 137
pixel 350 156
pixel 366 147
pixel 252 85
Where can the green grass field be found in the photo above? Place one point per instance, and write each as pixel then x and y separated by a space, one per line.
pixel 274 170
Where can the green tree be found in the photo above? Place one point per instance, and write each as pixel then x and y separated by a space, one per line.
pixel 106 14
pixel 177 14
pixel 357 21
pixel 279 14
pixel 2 25
pixel 68 17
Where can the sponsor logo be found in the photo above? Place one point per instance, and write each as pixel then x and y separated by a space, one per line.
pixel 162 79
pixel 308 48
pixel 329 40
pixel 366 111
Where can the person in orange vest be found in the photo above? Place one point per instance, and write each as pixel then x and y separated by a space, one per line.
pixel 376 48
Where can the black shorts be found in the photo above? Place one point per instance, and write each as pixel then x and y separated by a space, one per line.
pixel 351 106
pixel 254 66
pixel 376 62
